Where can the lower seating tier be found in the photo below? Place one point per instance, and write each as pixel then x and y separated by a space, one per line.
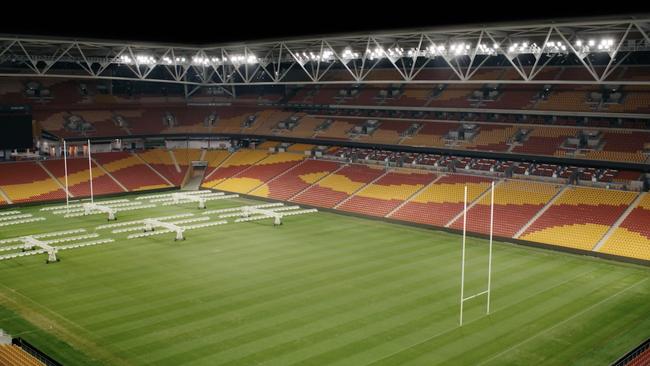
pixel 296 180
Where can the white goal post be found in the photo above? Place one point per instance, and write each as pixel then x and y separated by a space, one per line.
pixel 488 291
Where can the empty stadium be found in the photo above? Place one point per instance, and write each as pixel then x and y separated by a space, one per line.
pixel 462 195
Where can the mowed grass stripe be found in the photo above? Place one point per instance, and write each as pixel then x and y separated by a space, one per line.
pixel 119 271
pixel 599 325
pixel 357 336
pixel 288 291
pixel 420 304
pixel 509 324
pixel 562 320
pixel 281 284
pixel 368 290
pixel 440 313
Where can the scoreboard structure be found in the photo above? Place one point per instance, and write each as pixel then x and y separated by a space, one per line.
pixel 16 127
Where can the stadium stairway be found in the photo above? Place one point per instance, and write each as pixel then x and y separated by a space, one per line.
pixel 4 199
pixel 183 158
pixel 193 183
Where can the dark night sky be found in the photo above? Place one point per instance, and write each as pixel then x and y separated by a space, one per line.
pixel 198 24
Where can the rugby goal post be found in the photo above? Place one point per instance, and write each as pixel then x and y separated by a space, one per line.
pixel 488 291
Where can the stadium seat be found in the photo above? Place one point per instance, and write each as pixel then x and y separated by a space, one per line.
pixel 79 177
pixel 632 237
pixel 443 200
pixel 28 182
pixel 260 172
pixel 515 203
pixel 234 164
pixel 385 194
pixel 12 355
pixel 338 186
pixel 130 171
pixel 579 217
pixel 296 180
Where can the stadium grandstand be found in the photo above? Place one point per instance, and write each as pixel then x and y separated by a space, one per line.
pixel 350 188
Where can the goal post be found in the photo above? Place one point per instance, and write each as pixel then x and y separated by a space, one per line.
pixel 65 168
pixel 488 291
pixel 90 172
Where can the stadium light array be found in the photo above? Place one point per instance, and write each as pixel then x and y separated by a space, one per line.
pixel 443 49
pixel 326 55
pixel 348 54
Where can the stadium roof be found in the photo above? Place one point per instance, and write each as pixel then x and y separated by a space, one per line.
pixel 599 45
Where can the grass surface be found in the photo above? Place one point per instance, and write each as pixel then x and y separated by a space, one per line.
pixel 321 289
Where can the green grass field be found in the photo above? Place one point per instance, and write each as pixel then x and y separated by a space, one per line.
pixel 322 289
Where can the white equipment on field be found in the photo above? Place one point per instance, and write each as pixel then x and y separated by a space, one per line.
pixel 462 268
pixel 275 211
pixel 90 207
pixel 177 197
pixel 201 197
pixel 30 243
pixel 151 224
pixel 37 244
pixel 148 226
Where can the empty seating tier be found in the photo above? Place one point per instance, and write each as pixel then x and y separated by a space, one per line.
pixel 493 138
pixel 215 158
pixel 545 140
pixel 515 203
pixel 234 164
pixel 301 147
pixel 79 177
pixel 632 237
pixel 12 355
pixel 579 217
pixel 263 171
pixel 292 182
pixel 388 192
pixel 338 186
pixel 130 171
pixel 28 182
pixel 440 202
pixel 161 160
